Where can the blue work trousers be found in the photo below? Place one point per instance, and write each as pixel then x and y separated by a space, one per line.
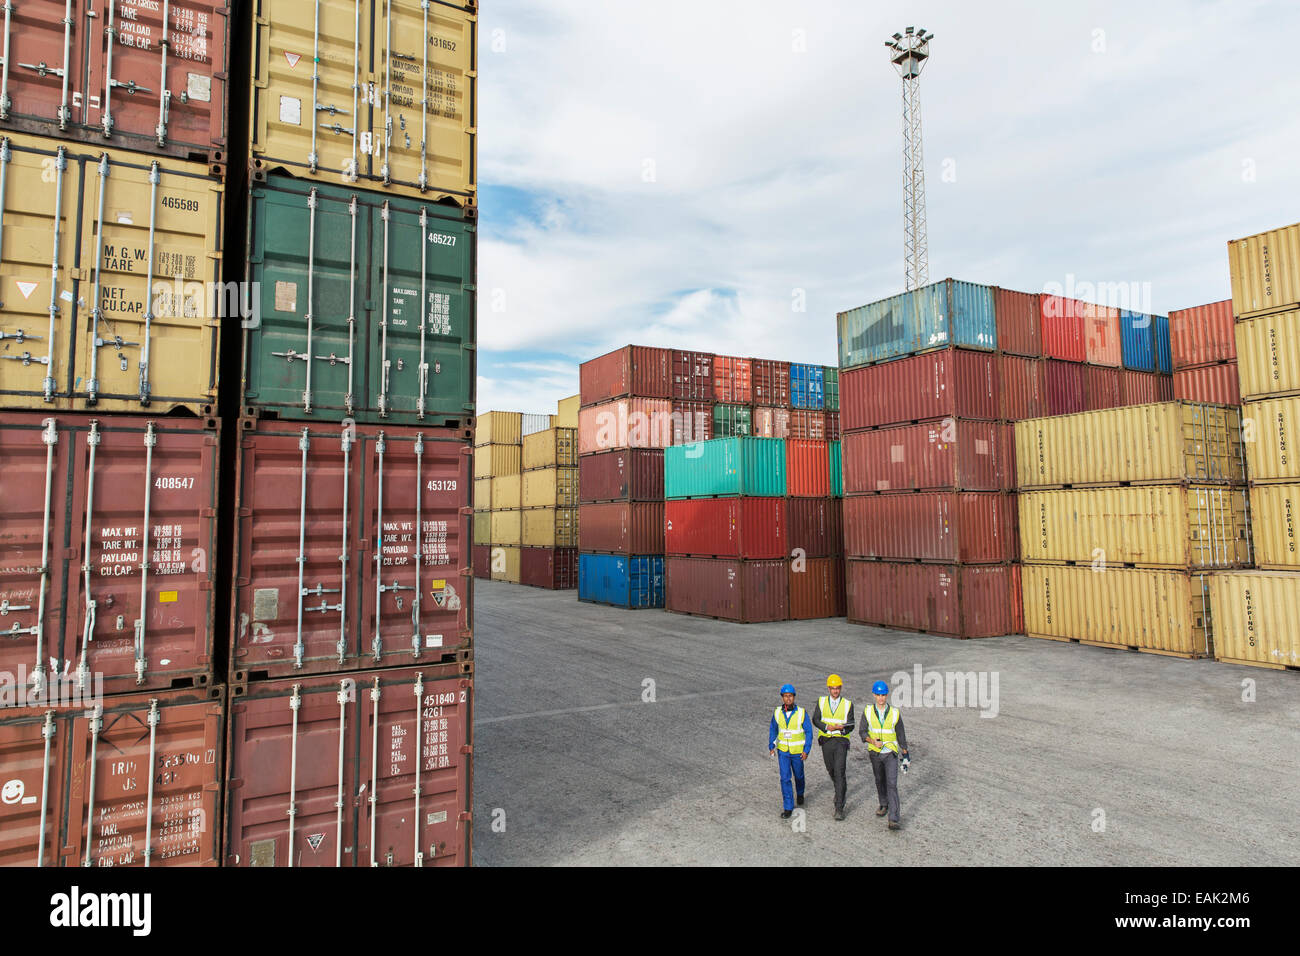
pixel 789 764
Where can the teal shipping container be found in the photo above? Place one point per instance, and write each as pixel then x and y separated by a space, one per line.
pixel 831 388
pixel 835 450
pixel 933 317
pixel 732 421
pixel 366 306
pixel 725 467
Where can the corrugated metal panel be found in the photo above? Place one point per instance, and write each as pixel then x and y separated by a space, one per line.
pixel 973 601
pixel 553 568
pixel 771 382
pixel 482 527
pixel 482 561
pixel 507 527
pixel 1101 332
pixel 732 381
pixel 1265 271
pixel 507 492
pixel 814 526
pixel 692 376
pixel 1019 322
pixel 941 314
pixel 482 494
pixel 1274 511
pixel 550 447
pixel 946 527
pixel 964 309
pixel 622 527
pixel 816 588
pixel 807 386
pixel 1202 335
pixel 835 451
pixel 1273 424
pixel 1216 384
pixel 692 422
pixel 549 528
pixel 531 424
pixel 831 388
pixel 744 591
pixel 807 466
pixel 726 527
pixel 1137 332
pixel 1268 355
pixel 951 455
pixel 550 487
pixel 625 423
pixel 1164 348
pixel 832 426
pixel 726 466
pixel 1171 526
pixel 1255 618
pixel 634 370
pixel 1100 387
pixel 1166 611
pixel 808 425
pixel 1063 336
pixel 1167 442
pixel 1137 388
pixel 952 383
pixel 495 461
pixel 631 582
pixel 635 475
pixel 505 563
pixel 566 412
pixel 1065 387
pixel 1164 388
pixel 499 428
pixel 732 421
pixel 1023 385
pixel 772 423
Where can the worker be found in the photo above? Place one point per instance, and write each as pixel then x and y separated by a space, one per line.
pixel 886 742
pixel 787 740
pixel 833 719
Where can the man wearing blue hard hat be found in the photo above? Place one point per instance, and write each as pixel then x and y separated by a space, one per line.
pixel 886 744
pixel 788 740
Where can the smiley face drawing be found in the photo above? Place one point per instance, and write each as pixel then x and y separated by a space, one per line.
pixel 12 791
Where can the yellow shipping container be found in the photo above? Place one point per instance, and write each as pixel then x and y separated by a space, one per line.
pixel 1163 612
pixel 1273 509
pixel 495 461
pixel 1169 526
pixel 550 488
pixel 1269 428
pixel 1255 617
pixel 547 449
pixel 1265 272
pixel 507 527
pixel 111 313
pixel 482 494
pixel 482 527
pixel 505 564
pixel 567 412
pixel 498 428
pixel 506 492
pixel 550 528
pixel 1268 355
pixel 1165 442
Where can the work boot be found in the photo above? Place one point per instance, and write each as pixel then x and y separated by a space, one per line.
pixel 799 800
pixel 894 824
pixel 839 814
pixel 881 811
pixel 786 814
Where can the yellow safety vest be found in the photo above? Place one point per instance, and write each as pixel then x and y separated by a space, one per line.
pixel 884 732
pixel 834 715
pixel 789 735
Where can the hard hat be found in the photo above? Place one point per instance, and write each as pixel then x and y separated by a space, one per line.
pixel 787 688
pixel 834 681
pixel 880 687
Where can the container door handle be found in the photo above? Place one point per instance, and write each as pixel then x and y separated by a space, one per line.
pixel 88 625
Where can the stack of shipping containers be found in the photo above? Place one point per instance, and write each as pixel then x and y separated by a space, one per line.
pixel 1205 354
pixel 550 501
pixel 498 495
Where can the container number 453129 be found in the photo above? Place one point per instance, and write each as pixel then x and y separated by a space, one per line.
pixel 439 485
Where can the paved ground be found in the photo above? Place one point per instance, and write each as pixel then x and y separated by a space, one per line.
pixel 1095 756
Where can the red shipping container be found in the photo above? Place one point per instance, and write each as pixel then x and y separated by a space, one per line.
pixel 621 527
pixel 771 423
pixel 1101 388
pixel 1203 335
pixel 945 527
pixel 771 382
pixel 743 591
pixel 553 568
pixel 1136 388
pixel 951 383
pixel 1019 322
pixel 732 384
pixel 750 528
pixel 1063 336
pixel 1023 383
pixel 483 561
pixel 1216 384
pixel 370 769
pixel 625 423
pixel 629 475
pixel 1017 602
pixel 692 422
pixel 1101 331
pixel 693 376
pixel 804 424
pixel 816 588
pixel 632 371
pixel 1065 388
pixel 955 600
pixel 951 455
pixel 814 526
pixel 807 469
pixel 1164 388
pixel 833 426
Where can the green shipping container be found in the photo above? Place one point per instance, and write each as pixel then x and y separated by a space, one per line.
pixel 732 421
pixel 726 467
pixel 831 388
pixel 834 449
pixel 340 276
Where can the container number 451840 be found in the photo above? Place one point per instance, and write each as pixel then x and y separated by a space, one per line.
pixel 439 485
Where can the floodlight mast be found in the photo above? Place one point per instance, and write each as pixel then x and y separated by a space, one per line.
pixel 909 52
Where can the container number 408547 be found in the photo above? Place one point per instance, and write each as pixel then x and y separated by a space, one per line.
pixel 163 483
pixel 440 485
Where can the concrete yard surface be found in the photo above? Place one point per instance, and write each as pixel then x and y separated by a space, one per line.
pixel 604 736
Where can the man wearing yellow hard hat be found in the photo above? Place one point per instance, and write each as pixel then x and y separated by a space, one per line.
pixel 833 720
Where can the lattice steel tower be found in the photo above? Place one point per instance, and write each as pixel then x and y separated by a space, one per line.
pixel 909 51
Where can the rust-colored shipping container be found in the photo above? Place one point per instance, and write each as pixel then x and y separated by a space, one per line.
pixel 1019 322
pixel 833 430
pixel 816 588
pixel 625 423
pixel 945 527
pixel 771 382
pixel 1136 388
pixel 1023 385
pixel 958 601
pixel 371 768
pixel 113 781
pixel 1164 388
pixel 814 526
pixel 732 382
pixel 1063 336
pixel 1065 388
pixel 745 591
pixel 807 469
pixel 632 371
pixel 331 573
pixel 692 422
pixel 108 549
pixel 1216 384
pixel 693 376
pixel 1202 335
pixel 771 423
pixel 553 568
pixel 949 455
pixel 1017 601
pixel 483 561
pixel 1101 332
pixel 1101 388
pixel 139 74
pixel 951 383
pixel 808 425
pixel 750 528
pixel 622 527
pixel 630 475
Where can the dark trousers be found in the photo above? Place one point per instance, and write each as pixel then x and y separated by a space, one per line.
pixel 885 767
pixel 835 752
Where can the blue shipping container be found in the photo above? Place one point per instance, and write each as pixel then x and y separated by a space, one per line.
pixel 807 386
pixel 1164 347
pixel 1137 339
pixel 616 579
pixel 934 316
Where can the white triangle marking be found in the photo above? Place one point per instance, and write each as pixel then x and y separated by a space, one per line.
pixel 293 58
pixel 26 288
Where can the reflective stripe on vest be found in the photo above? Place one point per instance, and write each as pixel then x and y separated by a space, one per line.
pixel 789 735
pixel 834 715
pixel 885 732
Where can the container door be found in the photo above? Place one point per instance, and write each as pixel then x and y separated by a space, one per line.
pixel 33 753
pixel 42 75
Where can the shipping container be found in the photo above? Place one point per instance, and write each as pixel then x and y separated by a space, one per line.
pixel 566 410
pixel 732 381
pixel 1215 384
pixel 814 526
pixel 692 376
pixel 952 383
pixel 126 780
pixel 1159 611
pixel 84 325
pixel 1274 509
pixel 832 426
pixel 1065 387
pixel 1137 332
pixel 725 466
pixel 629 475
pixel 371 768
pixel 831 388
pixel 340 276
pixel 1164 347
pixel 621 527
pixel 108 549
pixel 482 527
pixel 530 423
pixel 550 448
pixel 385 100
pixel 625 423
pixel 550 528
pixel 498 428
pixel 496 461
pixel 747 592
pixel 1265 272
pixel 482 560
pixel 1062 326
pixel 633 371
pixel 151 79
pixel 1101 388
pixel 950 455
pixel 807 386
pixel 944 527
pixel 1271 426
pixel 505 563
pixel 772 423
pixel 552 568
pixel 1268 355
pixel 1023 386
pixel 807 469
pixel 808 425
pixel 1017 601
pixel 692 422
pixel 816 588
pixel 630 582
pixel 732 421
pixel 748 528
pixel 1101 333
pixel 1154 526
pixel 1135 388
pixel 550 488
pixel 1202 335
pixel 505 492
pixel 771 382
pixel 835 452
pixel 1148 444
pixel 1019 322
pixel 935 316
pixel 955 600
pixel 331 573
pixel 507 527
pixel 1255 620
pixel 1164 388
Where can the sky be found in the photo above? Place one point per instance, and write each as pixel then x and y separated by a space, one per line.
pixel 727 176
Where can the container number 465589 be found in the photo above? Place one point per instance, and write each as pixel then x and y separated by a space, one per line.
pixel 439 485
